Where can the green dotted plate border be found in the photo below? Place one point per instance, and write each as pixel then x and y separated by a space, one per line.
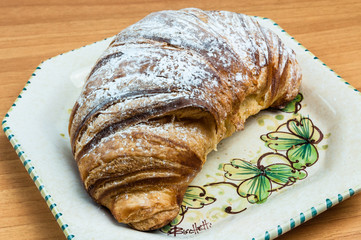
pixel 31 169
pixel 269 234
pixel 28 163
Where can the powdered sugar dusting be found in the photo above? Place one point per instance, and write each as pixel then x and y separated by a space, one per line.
pixel 160 98
pixel 212 58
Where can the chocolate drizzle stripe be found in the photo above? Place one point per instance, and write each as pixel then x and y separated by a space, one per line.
pixel 71 118
pixel 114 100
pixel 143 93
pixel 187 160
pixel 104 61
pixel 137 175
pixel 144 114
pixel 148 183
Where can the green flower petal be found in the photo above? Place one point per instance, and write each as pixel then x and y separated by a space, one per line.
pixel 294 106
pixel 283 174
pixel 271 159
pixel 166 228
pixel 303 155
pixel 239 170
pixel 256 189
pixel 303 128
pixel 317 135
pixel 196 197
pixel 279 170
pixel 281 140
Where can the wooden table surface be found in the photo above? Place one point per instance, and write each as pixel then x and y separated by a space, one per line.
pixel 33 31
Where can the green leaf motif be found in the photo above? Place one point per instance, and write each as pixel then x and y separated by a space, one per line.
pixel 239 170
pixel 279 171
pixel 281 140
pixel 196 197
pixel 256 189
pixel 284 174
pixel 303 156
pixel 272 172
pixel 294 106
pixel 303 128
pixel 298 138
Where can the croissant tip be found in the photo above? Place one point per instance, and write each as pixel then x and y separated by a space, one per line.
pixel 155 222
pixel 146 212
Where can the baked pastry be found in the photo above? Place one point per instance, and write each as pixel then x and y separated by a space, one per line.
pixel 161 97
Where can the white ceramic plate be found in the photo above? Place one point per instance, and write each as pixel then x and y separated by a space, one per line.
pixel 320 125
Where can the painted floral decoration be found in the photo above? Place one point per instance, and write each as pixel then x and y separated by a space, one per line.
pixel 272 172
pixel 294 106
pixel 299 139
pixel 195 197
pixel 293 148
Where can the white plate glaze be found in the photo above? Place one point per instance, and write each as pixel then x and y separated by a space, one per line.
pixel 36 126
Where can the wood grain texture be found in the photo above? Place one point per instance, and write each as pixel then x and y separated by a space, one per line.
pixel 33 31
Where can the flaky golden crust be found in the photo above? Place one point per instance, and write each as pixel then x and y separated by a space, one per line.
pixel 161 97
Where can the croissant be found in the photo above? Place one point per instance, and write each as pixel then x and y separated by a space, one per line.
pixel 160 98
